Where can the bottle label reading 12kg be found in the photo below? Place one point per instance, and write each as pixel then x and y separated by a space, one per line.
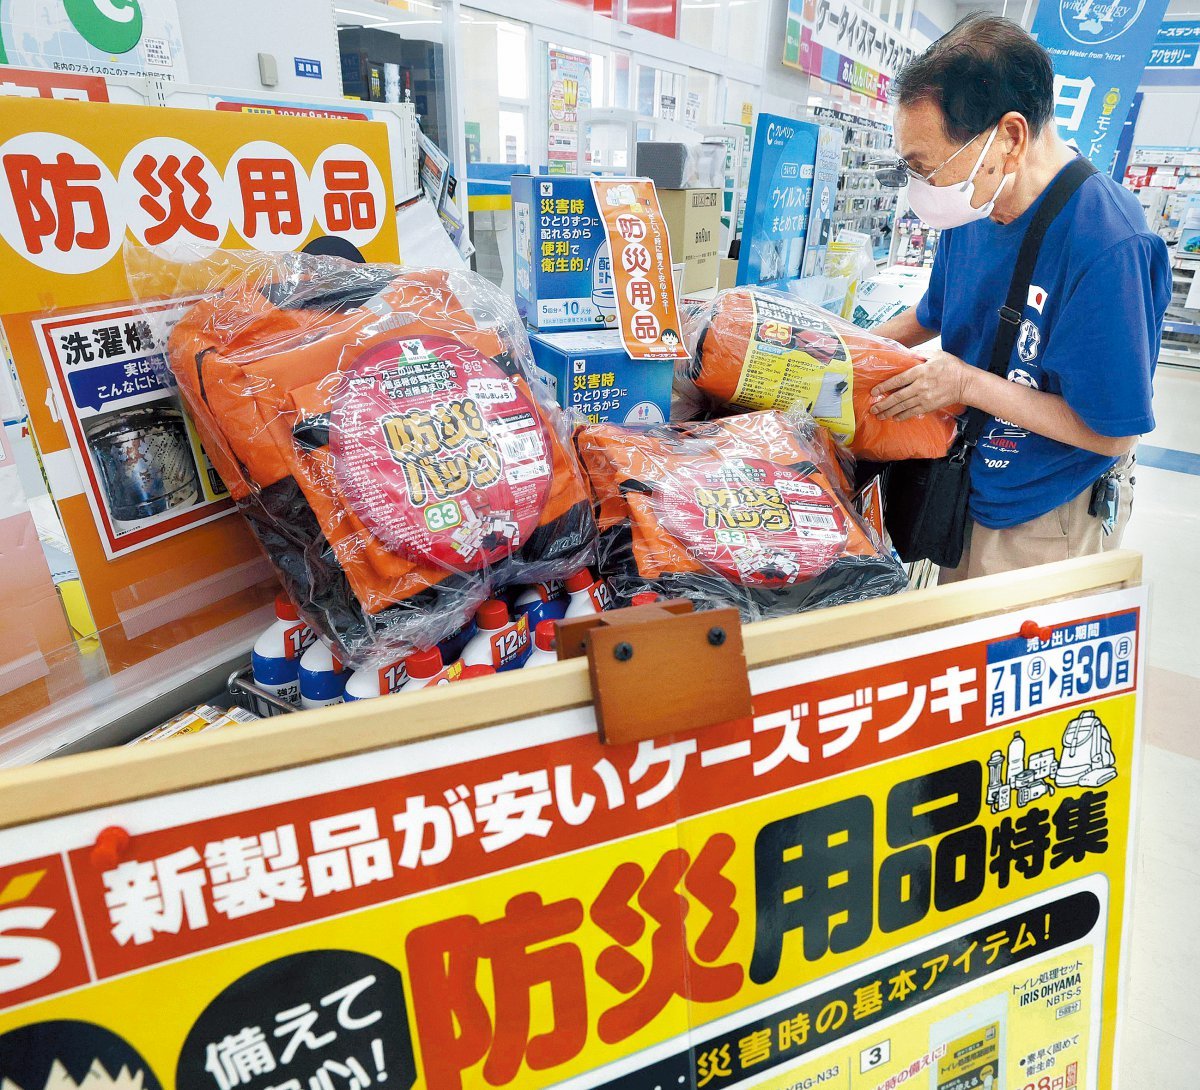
pixel 797 358
pixel 757 524
pixel 439 452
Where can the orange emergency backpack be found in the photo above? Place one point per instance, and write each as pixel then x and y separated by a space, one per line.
pixel 757 348
pixel 740 511
pixel 378 429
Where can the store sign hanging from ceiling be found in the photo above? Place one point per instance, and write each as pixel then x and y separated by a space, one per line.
pixel 94 37
pixel 843 43
pixel 1177 45
pixel 1099 53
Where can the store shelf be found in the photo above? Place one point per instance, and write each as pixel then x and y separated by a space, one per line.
pixel 92 709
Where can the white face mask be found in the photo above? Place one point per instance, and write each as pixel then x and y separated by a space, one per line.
pixel 946 206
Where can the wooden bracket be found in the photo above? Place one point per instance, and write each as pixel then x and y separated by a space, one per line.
pixel 660 668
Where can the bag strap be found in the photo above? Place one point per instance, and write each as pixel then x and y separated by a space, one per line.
pixel 1063 189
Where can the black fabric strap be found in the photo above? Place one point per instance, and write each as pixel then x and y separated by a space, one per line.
pixel 1063 189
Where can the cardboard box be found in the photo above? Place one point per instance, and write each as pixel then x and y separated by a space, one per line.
pixel 562 263
pixel 592 373
pixel 727 278
pixel 693 218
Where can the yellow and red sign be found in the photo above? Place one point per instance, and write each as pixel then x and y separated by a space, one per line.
pixel 641 267
pixel 913 864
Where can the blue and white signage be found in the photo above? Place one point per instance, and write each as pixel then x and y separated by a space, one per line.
pixel 1177 45
pixel 778 200
pixel 1100 50
pixel 307 68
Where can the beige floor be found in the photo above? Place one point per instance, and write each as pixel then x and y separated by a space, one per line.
pixel 1160 1033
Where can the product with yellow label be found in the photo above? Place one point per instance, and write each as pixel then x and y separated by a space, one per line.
pixel 744 512
pixel 380 432
pixel 755 348
pixel 969 1048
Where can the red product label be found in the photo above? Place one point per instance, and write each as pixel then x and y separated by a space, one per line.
pixel 392 677
pixel 439 452
pixel 753 522
pixel 600 595
pixel 511 642
pixel 298 639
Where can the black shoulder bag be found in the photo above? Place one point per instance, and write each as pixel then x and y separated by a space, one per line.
pixel 925 503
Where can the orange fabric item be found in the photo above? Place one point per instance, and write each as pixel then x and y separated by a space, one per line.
pixel 742 510
pixel 761 349
pixel 269 370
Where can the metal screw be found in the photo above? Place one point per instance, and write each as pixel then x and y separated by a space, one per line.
pixel 716 636
pixel 623 652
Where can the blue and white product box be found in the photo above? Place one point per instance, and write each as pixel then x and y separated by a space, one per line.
pixel 826 169
pixel 562 260
pixel 778 200
pixel 591 372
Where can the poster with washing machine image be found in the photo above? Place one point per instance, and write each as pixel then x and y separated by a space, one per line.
pixel 140 460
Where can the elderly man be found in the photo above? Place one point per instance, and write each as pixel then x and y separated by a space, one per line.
pixel 1050 477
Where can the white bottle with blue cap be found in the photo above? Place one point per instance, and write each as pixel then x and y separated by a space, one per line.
pixel 276 657
pixel 323 677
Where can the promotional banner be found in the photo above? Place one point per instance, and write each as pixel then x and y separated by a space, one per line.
pixel 647 308
pixel 31 83
pixel 843 43
pixel 94 37
pixel 911 867
pixel 779 200
pixel 138 500
pixel 570 90
pixel 1099 53
pixel 1177 45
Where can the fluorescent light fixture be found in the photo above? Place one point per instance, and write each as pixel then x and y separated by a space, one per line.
pixel 360 14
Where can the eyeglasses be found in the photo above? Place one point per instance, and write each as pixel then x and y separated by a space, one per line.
pixel 895 173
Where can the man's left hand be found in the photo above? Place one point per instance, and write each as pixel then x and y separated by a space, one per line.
pixel 938 383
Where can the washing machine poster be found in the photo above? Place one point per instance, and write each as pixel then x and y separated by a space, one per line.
pixel 140 461
pixel 778 200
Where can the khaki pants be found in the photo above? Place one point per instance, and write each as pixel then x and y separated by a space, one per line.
pixel 1067 531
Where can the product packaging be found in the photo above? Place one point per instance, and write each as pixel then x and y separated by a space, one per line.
pixel 756 348
pixel 587 595
pixel 827 168
pixel 541 602
pixel 592 374
pixel 744 511
pixel 544 651
pixel 198 720
pixel 323 676
pixel 969 1048
pixel 693 218
pixel 850 259
pixel 500 642
pixel 382 432
pixel 562 263
pixel 885 296
pixel 275 661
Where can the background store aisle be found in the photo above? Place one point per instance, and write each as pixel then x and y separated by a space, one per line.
pixel 1162 1013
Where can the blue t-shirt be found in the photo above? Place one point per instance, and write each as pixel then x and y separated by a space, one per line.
pixel 1090 332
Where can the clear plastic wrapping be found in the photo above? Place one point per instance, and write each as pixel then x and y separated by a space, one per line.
pixel 757 348
pixel 381 431
pixel 746 511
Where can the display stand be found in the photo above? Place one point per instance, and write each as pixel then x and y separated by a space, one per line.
pixel 913 857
